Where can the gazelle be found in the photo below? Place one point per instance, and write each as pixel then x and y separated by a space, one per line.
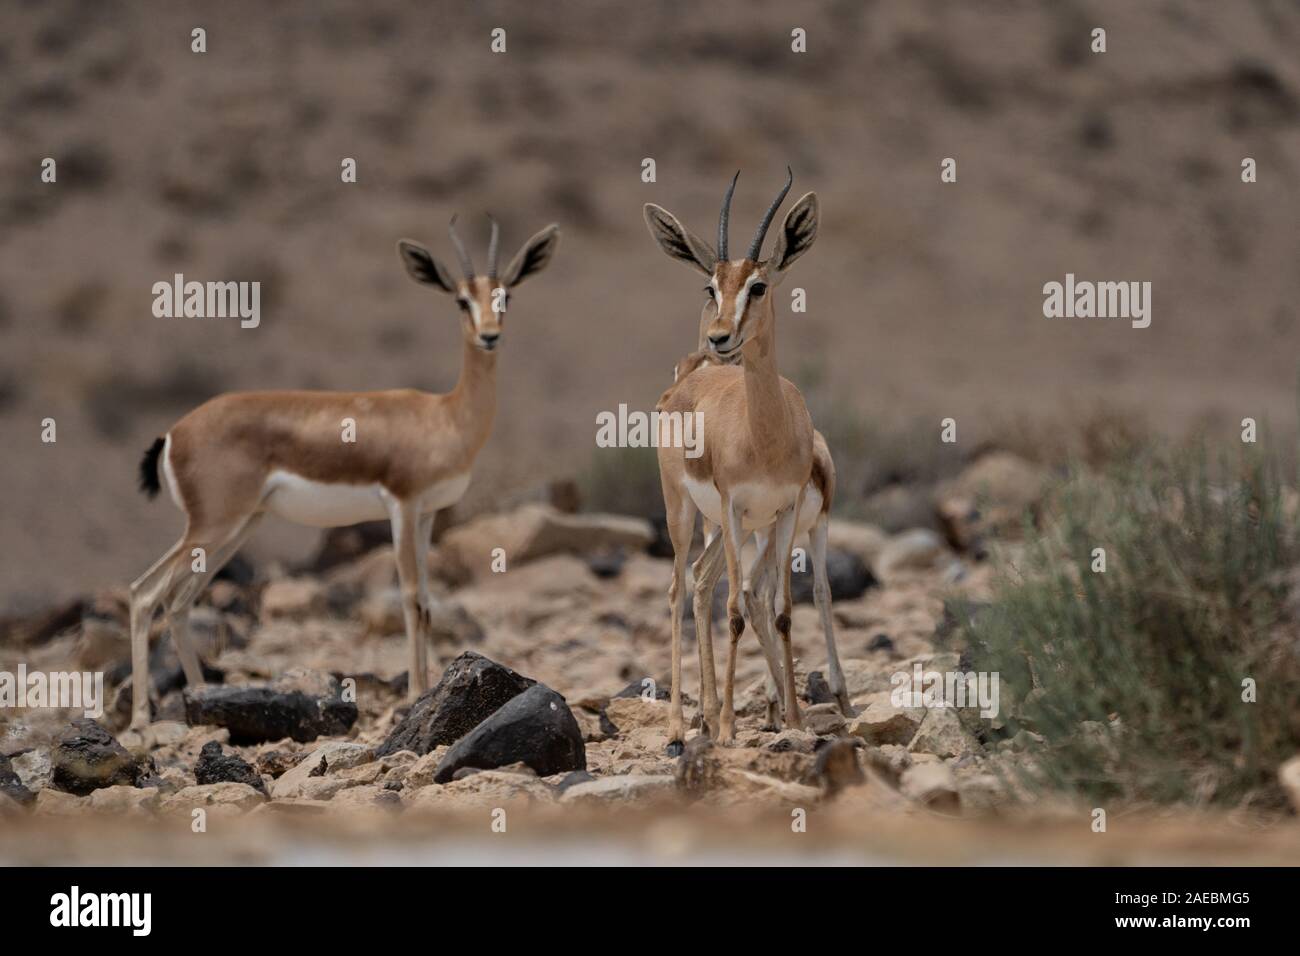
pixel 758 447
pixel 814 521
pixel 245 454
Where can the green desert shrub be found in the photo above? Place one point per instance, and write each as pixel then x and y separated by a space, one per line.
pixel 1134 678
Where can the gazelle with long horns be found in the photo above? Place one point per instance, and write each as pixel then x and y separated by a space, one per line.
pixel 243 455
pixel 814 521
pixel 758 445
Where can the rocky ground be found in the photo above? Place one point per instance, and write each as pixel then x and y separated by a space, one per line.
pixel 549 720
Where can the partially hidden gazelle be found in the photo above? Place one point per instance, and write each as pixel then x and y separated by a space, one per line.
pixel 758 440
pixel 243 455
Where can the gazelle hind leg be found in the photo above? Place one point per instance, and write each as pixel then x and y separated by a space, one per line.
pixel 681 528
pixel 426 595
pixel 146 591
pixel 784 540
pixel 706 571
pixel 185 590
pixel 822 595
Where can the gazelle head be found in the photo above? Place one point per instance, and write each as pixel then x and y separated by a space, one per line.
pixel 482 299
pixel 738 306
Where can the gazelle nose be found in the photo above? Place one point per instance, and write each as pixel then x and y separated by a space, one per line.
pixel 717 341
pixel 489 339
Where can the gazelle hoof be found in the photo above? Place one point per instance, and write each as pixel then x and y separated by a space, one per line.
pixel 674 748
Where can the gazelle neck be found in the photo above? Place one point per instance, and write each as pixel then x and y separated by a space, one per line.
pixel 768 417
pixel 475 395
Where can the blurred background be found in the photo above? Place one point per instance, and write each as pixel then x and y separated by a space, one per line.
pixel 924 298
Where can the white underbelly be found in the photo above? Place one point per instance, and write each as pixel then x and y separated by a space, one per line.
pixel 759 503
pixel 444 494
pixel 320 504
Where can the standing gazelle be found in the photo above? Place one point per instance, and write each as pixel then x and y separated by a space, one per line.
pixel 814 521
pixel 758 447
pixel 328 459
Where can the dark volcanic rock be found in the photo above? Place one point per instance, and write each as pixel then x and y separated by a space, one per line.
pixel 607 563
pixel 87 757
pixel 302 707
pixel 213 766
pixel 848 575
pixel 881 642
pixel 471 689
pixel 818 691
pixel 638 687
pixel 536 728
pixel 10 785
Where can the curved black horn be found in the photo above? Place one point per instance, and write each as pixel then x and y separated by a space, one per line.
pixel 492 247
pixel 724 218
pixel 757 246
pixel 466 265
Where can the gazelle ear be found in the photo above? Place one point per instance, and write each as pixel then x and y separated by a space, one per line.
pixel 797 233
pixel 423 267
pixel 532 257
pixel 678 241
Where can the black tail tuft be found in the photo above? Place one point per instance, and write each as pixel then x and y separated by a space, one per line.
pixel 149 483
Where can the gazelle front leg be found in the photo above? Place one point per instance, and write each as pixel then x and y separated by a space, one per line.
pixel 706 571
pixel 426 595
pixel 405 521
pixel 783 543
pixel 733 539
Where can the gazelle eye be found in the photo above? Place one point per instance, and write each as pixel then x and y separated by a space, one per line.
pixel 758 289
pixel 708 290
pixel 464 304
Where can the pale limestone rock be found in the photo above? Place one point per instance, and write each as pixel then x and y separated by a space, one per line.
pixel 485 788
pixel 941 733
pixel 337 755
pixel 293 599
pixel 931 784
pixel 123 799
pixel 629 788
pixel 33 768
pixel 534 531
pixel 56 803
pixel 637 713
pixel 880 722
pixel 239 796
pixel 420 773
